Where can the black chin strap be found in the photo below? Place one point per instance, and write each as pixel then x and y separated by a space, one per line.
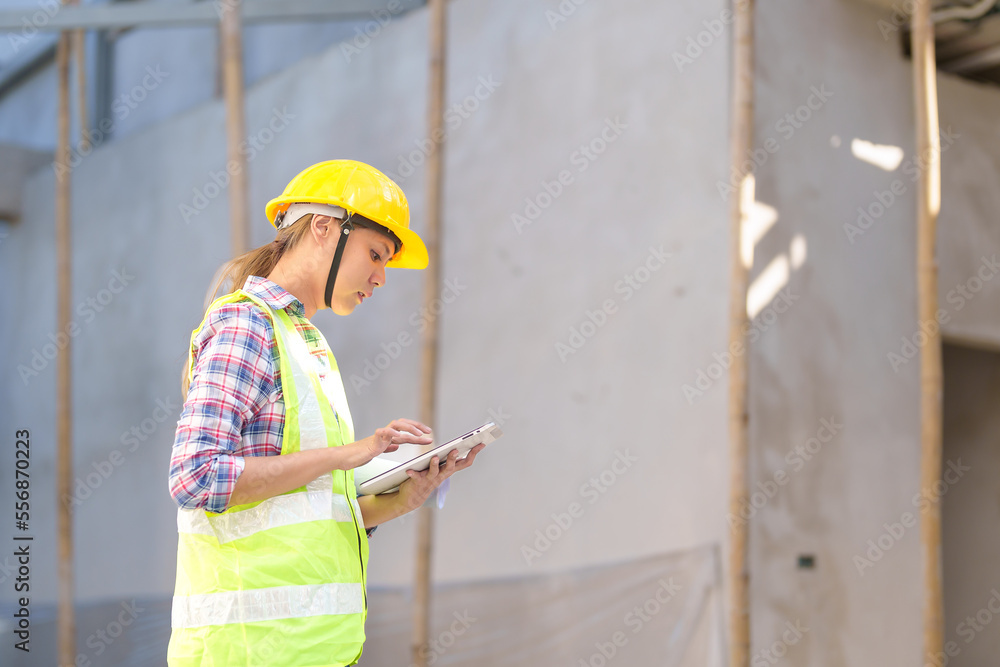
pixel 346 227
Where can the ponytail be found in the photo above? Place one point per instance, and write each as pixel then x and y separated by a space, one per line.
pixel 258 262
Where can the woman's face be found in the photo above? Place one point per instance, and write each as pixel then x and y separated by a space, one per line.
pixel 362 268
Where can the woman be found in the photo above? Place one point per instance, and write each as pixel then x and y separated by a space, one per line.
pixel 273 541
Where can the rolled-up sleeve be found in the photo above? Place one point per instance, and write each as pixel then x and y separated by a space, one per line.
pixel 233 377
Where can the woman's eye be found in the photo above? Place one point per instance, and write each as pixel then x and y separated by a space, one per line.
pixel 375 256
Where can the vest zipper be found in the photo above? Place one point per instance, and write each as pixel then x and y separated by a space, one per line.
pixel 357 531
pixel 349 488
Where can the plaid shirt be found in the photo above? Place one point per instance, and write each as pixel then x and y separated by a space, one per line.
pixel 234 407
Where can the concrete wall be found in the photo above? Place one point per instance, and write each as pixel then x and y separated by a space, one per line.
pixel 969 508
pixel 839 353
pixel 545 333
pixel 533 95
pixel 834 427
pixel 968 233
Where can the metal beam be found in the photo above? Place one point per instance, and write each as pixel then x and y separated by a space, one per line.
pixel 174 14
pixel 976 61
pixel 36 55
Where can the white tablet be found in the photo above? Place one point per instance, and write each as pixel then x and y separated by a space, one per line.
pixel 396 475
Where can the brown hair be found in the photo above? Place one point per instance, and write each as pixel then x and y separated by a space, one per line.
pixel 261 261
pixel 258 262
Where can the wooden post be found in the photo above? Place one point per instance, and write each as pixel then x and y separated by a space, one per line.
pixel 230 32
pixel 928 206
pixel 741 140
pixel 80 56
pixel 435 126
pixel 66 621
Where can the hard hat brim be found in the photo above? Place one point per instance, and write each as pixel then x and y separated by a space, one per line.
pixel 412 255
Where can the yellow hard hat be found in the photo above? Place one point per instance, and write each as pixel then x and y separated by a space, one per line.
pixel 358 188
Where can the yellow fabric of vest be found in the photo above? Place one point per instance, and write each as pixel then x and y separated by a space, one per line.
pixel 279 582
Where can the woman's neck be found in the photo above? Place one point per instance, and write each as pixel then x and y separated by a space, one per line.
pixel 288 274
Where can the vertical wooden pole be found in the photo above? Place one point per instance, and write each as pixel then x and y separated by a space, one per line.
pixel 230 32
pixel 66 622
pixel 741 140
pixel 80 56
pixel 928 205
pixel 435 125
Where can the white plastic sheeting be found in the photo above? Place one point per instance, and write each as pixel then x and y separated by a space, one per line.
pixel 663 610
pixel 545 620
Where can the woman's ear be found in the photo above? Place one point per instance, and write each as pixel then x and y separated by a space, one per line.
pixel 321 224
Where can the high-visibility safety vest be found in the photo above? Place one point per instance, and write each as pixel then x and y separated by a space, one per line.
pixel 281 582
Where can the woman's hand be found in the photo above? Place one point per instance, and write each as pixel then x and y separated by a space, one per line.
pixel 396 433
pixel 268 476
pixel 414 491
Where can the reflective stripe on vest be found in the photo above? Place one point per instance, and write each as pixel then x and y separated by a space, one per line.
pixel 267 604
pixel 292 565
pixel 284 510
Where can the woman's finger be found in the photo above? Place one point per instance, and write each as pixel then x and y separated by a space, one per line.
pixel 423 427
pixel 400 429
pixel 411 425
pixel 404 436
pixel 470 457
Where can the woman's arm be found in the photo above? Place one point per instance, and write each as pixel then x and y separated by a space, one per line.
pixel 414 491
pixel 264 477
pixel 233 380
